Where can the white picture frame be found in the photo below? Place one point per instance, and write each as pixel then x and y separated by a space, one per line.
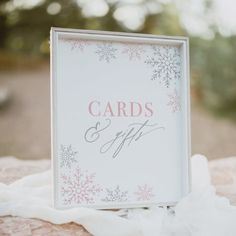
pixel 120 119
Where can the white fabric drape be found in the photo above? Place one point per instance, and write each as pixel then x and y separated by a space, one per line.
pixel 201 213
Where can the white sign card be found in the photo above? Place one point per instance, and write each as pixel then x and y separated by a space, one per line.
pixel 120 119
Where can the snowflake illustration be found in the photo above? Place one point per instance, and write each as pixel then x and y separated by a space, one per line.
pixel 77 44
pixel 115 195
pixel 174 101
pixel 106 51
pixel 79 188
pixel 133 51
pixel 67 156
pixel 144 193
pixel 166 64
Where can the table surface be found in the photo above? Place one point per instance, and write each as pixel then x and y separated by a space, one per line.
pixel 223 175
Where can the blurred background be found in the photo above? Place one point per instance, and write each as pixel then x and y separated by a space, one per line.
pixel 24 64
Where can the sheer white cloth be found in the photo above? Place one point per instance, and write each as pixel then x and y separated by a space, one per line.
pixel 201 213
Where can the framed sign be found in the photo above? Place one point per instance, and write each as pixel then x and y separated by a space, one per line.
pixel 120 119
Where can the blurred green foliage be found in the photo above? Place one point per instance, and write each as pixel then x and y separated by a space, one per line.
pixel 214 73
pixel 24 29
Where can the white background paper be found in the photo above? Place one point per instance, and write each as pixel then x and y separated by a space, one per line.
pixel 150 170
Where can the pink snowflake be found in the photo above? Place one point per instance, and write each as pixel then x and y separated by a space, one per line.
pixel 133 51
pixel 144 193
pixel 174 101
pixel 79 188
pixel 77 43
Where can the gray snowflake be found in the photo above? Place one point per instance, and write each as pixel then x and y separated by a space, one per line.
pixel 67 156
pixel 174 101
pixel 115 195
pixel 134 51
pixel 106 51
pixel 166 64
